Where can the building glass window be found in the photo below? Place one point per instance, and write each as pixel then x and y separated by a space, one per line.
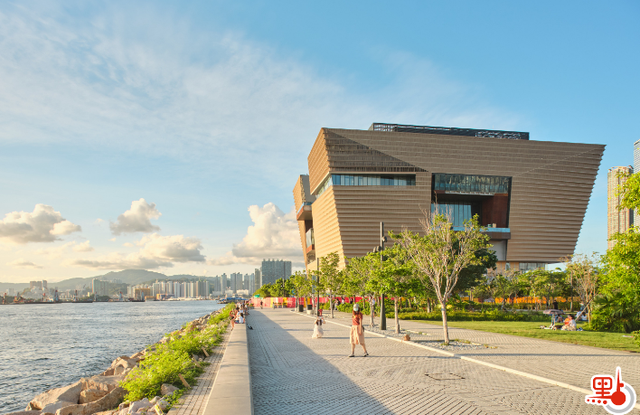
pixel 470 184
pixel 457 212
pixel 531 266
pixel 366 180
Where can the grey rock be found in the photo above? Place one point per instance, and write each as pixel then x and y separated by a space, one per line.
pixel 137 405
pixel 167 389
pixel 105 383
pixel 69 393
pixel 53 407
pixel 111 400
pixel 90 395
pixel 27 412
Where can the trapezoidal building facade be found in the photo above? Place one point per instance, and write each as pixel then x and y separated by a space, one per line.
pixel 531 195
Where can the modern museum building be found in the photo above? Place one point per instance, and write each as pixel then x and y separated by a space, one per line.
pixel 530 195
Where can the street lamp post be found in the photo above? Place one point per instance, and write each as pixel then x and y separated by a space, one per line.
pixel 383 317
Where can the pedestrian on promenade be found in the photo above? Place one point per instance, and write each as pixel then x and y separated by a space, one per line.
pixel 232 316
pixel 260 304
pixel 318 332
pixel 357 331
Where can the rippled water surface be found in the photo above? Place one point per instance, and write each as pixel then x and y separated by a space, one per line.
pixel 48 346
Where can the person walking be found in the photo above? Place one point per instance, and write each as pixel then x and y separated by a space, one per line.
pixel 357 331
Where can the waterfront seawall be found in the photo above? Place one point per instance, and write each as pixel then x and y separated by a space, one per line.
pixel 102 392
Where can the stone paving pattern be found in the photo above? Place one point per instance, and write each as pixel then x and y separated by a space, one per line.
pixel 565 362
pixel 293 373
pixel 194 401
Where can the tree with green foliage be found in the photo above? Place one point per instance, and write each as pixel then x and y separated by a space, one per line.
pixel 584 273
pixel 282 287
pixel 473 275
pixel 330 276
pixel 619 305
pixel 442 253
pixel 394 276
pixel 356 276
pixel 267 290
pixel 301 284
pixel 548 284
pixel 505 285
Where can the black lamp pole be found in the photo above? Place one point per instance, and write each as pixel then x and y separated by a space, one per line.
pixel 383 316
pixel 317 286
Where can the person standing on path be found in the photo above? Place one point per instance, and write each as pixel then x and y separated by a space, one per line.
pixel 357 331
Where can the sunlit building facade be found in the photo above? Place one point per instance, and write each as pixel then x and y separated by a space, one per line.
pixel 530 195
pixel 619 219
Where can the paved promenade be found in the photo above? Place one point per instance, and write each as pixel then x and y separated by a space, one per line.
pixel 563 362
pixel 194 401
pixel 292 373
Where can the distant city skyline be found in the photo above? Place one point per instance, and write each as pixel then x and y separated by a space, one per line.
pixel 165 136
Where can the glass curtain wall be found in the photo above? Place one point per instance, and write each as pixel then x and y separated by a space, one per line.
pixel 465 184
pixel 457 212
pixel 366 180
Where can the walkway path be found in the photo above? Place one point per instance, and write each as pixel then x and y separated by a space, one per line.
pixel 292 373
pixel 564 362
pixel 194 401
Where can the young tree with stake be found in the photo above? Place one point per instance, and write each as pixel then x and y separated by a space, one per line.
pixel 442 253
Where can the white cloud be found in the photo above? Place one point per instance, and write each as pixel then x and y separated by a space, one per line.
pixel 136 219
pixel 23 263
pixel 42 225
pixel 55 251
pixel 175 248
pixel 83 247
pixel 128 244
pixel 58 251
pixel 156 251
pixel 273 234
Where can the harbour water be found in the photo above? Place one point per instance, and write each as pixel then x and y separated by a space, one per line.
pixel 48 346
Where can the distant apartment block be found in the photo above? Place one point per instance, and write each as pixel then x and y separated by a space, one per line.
pixel 619 220
pixel 257 281
pixel 99 287
pixel 530 195
pixel 274 269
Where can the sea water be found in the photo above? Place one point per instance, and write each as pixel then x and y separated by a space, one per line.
pixel 44 346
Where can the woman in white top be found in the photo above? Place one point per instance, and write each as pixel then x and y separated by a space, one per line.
pixel 318 332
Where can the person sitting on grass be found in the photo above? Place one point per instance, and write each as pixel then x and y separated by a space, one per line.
pixel 569 324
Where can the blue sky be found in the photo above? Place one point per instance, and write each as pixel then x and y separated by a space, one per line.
pixel 169 135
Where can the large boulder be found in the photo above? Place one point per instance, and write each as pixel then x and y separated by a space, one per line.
pixel 137 405
pixel 90 395
pixel 70 393
pixel 103 383
pixel 28 412
pixel 109 401
pixel 53 407
pixel 167 389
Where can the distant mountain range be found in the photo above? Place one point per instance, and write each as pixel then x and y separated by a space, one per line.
pixel 127 276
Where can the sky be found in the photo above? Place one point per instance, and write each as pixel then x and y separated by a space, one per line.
pixel 168 136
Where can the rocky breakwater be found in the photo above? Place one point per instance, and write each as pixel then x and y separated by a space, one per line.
pixel 104 393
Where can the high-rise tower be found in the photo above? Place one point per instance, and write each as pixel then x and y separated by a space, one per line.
pixel 619 220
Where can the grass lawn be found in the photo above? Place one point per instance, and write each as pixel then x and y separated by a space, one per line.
pixel 613 341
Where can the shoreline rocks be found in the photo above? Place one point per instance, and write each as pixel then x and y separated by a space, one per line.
pixel 101 393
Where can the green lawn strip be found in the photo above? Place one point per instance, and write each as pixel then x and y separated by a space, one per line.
pixel 605 340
